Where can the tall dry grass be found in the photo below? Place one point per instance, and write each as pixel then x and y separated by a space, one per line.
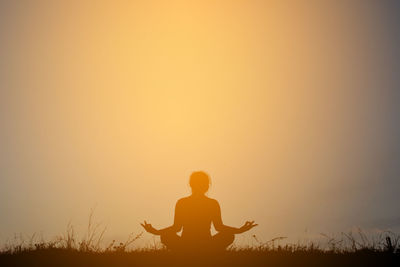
pixel 352 249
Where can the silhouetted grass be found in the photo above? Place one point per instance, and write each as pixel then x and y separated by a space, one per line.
pixel 281 256
pixel 351 249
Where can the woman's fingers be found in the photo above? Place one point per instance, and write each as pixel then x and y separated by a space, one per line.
pixel 250 224
pixel 145 224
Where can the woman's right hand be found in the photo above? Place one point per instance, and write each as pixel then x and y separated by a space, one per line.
pixel 149 228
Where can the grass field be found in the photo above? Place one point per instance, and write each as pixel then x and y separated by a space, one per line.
pixel 244 257
pixel 67 252
pixel 351 249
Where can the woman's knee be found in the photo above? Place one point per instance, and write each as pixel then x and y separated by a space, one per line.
pixel 224 239
pixel 229 237
pixel 167 237
pixel 171 240
pixel 164 238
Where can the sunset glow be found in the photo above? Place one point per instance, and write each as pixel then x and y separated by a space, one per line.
pixel 114 105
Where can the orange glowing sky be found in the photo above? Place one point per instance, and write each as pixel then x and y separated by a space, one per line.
pixel 289 106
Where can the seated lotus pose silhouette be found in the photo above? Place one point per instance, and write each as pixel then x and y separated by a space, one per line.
pixel 194 215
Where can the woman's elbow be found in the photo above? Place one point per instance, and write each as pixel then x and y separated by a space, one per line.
pixel 219 227
pixel 177 228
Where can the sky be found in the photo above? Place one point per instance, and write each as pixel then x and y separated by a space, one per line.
pixel 292 108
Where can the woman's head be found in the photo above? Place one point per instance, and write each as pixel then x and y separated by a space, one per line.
pixel 199 182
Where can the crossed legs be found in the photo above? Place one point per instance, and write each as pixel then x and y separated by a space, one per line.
pixel 218 242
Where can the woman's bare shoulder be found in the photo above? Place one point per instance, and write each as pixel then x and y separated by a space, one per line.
pixel 213 201
pixel 182 200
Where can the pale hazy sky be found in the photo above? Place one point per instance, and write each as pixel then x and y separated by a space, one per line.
pixel 292 108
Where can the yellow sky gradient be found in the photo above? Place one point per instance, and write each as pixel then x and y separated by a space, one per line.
pixel 115 103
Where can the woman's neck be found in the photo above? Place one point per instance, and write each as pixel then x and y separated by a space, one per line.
pixel 197 194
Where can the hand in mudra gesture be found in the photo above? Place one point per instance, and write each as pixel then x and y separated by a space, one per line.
pixel 247 226
pixel 149 228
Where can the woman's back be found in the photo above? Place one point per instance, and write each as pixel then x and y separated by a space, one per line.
pixel 196 213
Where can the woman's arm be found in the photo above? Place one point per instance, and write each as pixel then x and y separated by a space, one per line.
pixel 220 227
pixel 176 227
pixel 149 228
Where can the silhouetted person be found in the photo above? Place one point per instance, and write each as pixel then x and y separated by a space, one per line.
pixel 194 214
